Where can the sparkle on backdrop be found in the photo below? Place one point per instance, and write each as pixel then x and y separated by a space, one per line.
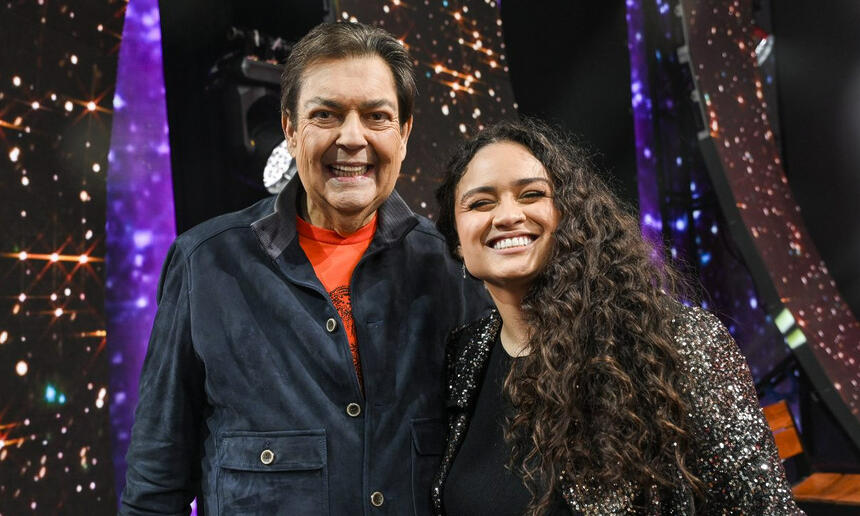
pixel 56 81
pixel 723 50
pixel 140 218
pixel 462 77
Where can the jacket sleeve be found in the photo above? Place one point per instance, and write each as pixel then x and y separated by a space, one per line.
pixel 736 457
pixel 163 456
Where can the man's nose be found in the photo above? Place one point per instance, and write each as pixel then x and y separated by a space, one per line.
pixel 352 132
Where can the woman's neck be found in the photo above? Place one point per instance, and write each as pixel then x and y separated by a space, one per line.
pixel 515 331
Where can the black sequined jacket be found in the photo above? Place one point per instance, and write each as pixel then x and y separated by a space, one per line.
pixel 733 453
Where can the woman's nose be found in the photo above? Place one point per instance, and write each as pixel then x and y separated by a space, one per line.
pixel 508 213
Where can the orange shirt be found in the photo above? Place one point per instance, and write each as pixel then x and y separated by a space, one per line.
pixel 333 258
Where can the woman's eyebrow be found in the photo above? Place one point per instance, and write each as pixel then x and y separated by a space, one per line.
pixel 477 190
pixel 528 180
pixel 491 189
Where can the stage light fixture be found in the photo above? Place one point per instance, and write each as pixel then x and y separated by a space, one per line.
pixel 248 81
pixel 764 47
pixel 280 168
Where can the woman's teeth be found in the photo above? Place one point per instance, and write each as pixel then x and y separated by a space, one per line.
pixel 348 170
pixel 512 242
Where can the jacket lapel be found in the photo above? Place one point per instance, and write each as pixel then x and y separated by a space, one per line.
pixel 468 353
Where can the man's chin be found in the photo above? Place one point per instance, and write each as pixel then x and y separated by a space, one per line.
pixel 355 207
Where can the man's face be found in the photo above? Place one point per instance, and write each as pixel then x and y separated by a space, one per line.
pixel 347 140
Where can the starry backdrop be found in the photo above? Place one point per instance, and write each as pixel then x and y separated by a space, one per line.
pixel 812 314
pixel 712 189
pixel 677 202
pixel 57 72
pixel 75 106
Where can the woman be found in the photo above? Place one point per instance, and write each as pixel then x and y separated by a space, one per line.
pixel 589 390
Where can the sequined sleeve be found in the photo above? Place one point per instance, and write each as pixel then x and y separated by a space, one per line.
pixel 735 455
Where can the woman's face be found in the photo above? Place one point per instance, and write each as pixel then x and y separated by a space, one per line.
pixel 505 216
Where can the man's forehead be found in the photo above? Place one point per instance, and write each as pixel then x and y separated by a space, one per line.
pixel 360 79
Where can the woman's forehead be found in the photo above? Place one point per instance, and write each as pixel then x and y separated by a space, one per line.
pixel 502 163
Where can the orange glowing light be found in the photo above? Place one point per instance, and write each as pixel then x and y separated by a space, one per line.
pixel 53 257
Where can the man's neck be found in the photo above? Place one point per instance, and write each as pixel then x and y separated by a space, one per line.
pixel 344 225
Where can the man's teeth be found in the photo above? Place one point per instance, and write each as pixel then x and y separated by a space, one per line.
pixel 512 242
pixel 349 170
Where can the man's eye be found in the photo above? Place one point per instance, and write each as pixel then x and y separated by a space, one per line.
pixel 322 115
pixel 378 117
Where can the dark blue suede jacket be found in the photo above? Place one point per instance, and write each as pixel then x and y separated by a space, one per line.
pixel 248 397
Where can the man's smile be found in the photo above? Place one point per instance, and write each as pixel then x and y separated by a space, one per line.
pixel 349 169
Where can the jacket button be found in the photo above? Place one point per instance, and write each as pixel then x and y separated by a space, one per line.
pixel 377 499
pixel 331 325
pixel 353 409
pixel 267 457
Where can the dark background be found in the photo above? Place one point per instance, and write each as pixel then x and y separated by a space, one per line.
pixel 570 66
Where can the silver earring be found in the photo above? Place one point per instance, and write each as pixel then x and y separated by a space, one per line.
pixel 463 265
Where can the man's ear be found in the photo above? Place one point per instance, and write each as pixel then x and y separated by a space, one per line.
pixel 289 132
pixel 405 131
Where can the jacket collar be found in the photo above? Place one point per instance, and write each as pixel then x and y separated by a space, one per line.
pixel 278 229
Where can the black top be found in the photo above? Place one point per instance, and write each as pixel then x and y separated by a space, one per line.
pixel 479 483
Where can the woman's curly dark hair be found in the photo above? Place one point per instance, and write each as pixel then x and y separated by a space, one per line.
pixel 598 401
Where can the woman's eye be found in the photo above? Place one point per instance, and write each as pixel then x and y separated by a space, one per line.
pixel 481 203
pixel 534 194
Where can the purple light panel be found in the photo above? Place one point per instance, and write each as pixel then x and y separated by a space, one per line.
pixel 643 125
pixel 140 219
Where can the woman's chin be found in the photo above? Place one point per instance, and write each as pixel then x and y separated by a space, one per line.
pixel 513 281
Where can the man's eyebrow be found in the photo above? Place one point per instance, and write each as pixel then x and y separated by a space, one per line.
pixel 378 103
pixel 370 104
pixel 322 101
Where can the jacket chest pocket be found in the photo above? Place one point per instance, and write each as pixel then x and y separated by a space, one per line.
pixel 273 473
pixel 427 443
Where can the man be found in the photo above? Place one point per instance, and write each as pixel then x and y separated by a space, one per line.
pixel 295 364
